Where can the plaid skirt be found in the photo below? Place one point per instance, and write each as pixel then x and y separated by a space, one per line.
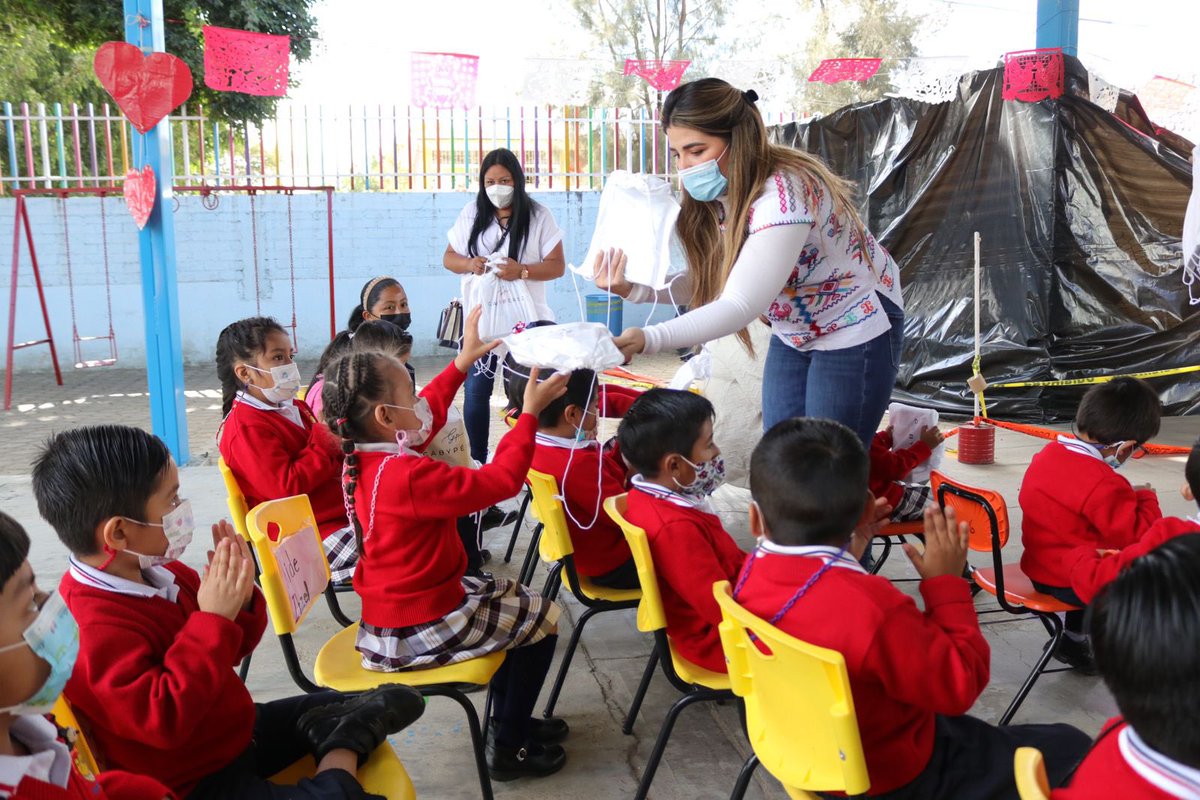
pixel 496 614
pixel 341 550
pixel 912 503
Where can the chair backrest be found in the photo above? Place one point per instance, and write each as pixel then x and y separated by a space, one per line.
pixel 82 754
pixel 983 509
pixel 650 613
pixel 287 541
pixel 1030 771
pixel 799 710
pixel 555 542
pixel 234 499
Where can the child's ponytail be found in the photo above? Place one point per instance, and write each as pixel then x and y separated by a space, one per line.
pixel 240 341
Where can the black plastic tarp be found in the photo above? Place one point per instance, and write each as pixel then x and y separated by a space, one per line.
pixel 1080 212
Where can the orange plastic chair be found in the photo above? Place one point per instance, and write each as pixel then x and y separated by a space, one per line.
pixel 893 534
pixel 987 514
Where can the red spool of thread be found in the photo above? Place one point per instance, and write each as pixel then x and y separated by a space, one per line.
pixel 976 443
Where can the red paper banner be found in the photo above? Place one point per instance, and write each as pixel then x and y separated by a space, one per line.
pixel 146 88
pixel 139 194
pixel 246 62
pixel 1033 75
pixel 444 80
pixel 836 70
pixel 662 75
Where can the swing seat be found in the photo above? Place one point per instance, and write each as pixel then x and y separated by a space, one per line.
pixel 87 363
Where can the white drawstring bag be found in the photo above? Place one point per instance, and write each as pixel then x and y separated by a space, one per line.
pixel 637 214
pixel 907 423
pixel 450 444
pixel 1191 234
pixel 566 347
pixel 507 305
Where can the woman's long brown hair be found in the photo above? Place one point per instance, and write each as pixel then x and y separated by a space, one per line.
pixel 713 107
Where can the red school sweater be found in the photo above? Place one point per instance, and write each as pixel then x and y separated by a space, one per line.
pixel 888 466
pixel 272 457
pixel 1091 570
pixel 691 552
pixel 1106 773
pixel 905 665
pixel 156 679
pixel 1070 498
pixel 412 563
pixel 112 785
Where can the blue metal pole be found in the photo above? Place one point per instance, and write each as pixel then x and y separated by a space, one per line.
pixel 156 246
pixel 1058 25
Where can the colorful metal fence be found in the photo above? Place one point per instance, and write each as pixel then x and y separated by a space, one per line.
pixel 352 147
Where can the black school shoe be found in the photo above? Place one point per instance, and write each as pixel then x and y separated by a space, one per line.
pixel 495 517
pixel 361 723
pixel 1076 653
pixel 531 761
pixel 541 731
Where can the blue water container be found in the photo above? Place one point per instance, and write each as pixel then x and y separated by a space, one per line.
pixel 605 309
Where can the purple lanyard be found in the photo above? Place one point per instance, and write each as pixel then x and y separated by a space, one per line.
pixel 808 584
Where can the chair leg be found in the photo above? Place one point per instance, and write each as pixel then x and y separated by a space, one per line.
pixel 485 779
pixel 529 565
pixel 744 776
pixel 516 531
pixel 553 582
pixel 1055 627
pixel 566 661
pixel 640 695
pixel 244 669
pixel 335 608
pixel 887 549
pixel 664 734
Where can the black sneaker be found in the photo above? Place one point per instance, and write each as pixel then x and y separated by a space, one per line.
pixel 360 723
pixel 485 555
pixel 531 761
pixel 496 517
pixel 541 731
pixel 1077 654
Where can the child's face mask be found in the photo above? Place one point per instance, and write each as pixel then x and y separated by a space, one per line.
pixel 424 415
pixel 709 477
pixel 178 526
pixel 287 382
pixel 54 637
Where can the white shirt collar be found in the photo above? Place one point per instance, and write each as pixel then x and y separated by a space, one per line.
pixel 287 407
pixel 839 557
pixel 49 760
pixel 565 442
pixel 638 482
pixel 160 579
pixel 1177 780
pixel 1079 446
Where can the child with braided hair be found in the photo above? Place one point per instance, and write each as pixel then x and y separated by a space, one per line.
pixel 913 674
pixel 272 441
pixel 419 608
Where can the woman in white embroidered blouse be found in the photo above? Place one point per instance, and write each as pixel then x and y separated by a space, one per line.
pixel 770 231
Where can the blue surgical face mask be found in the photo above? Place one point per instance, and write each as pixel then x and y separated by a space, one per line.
pixel 54 637
pixel 704 181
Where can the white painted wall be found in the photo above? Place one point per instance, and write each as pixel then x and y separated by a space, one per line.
pixel 399 234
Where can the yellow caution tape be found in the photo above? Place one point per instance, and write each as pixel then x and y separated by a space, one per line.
pixel 1160 373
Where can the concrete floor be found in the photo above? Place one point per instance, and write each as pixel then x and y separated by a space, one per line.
pixel 707 747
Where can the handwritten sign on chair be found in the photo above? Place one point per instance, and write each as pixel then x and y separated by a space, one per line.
pixel 303 570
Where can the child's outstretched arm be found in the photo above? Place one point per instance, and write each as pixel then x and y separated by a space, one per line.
pixel 1121 513
pixel 441 390
pixel 1091 569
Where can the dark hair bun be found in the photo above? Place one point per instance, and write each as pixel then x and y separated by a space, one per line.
pixel 750 95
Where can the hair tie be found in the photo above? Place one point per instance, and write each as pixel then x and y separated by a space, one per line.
pixel 751 96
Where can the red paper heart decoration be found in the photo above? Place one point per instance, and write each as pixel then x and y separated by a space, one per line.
pixel 139 194
pixel 146 88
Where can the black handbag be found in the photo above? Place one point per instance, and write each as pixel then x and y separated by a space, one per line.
pixel 450 326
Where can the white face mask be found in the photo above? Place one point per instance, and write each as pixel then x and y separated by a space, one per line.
pixel 500 195
pixel 424 416
pixel 287 382
pixel 177 526
pixel 54 637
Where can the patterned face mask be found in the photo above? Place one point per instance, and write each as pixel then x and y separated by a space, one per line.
pixel 709 477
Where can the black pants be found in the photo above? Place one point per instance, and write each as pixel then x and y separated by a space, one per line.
pixel 515 689
pixel 468 531
pixel 276 745
pixel 973 760
pixel 623 577
pixel 1075 621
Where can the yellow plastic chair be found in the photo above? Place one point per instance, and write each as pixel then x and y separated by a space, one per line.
pixel 696 683
pixel 799 710
pixel 338 664
pixel 383 774
pixel 1030 771
pixel 238 508
pixel 556 548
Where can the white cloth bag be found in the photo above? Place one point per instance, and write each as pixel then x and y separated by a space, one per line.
pixel 907 423
pixel 1191 234
pixel 507 305
pixel 566 347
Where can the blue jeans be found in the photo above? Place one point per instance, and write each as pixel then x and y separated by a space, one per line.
pixel 477 405
pixel 852 386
